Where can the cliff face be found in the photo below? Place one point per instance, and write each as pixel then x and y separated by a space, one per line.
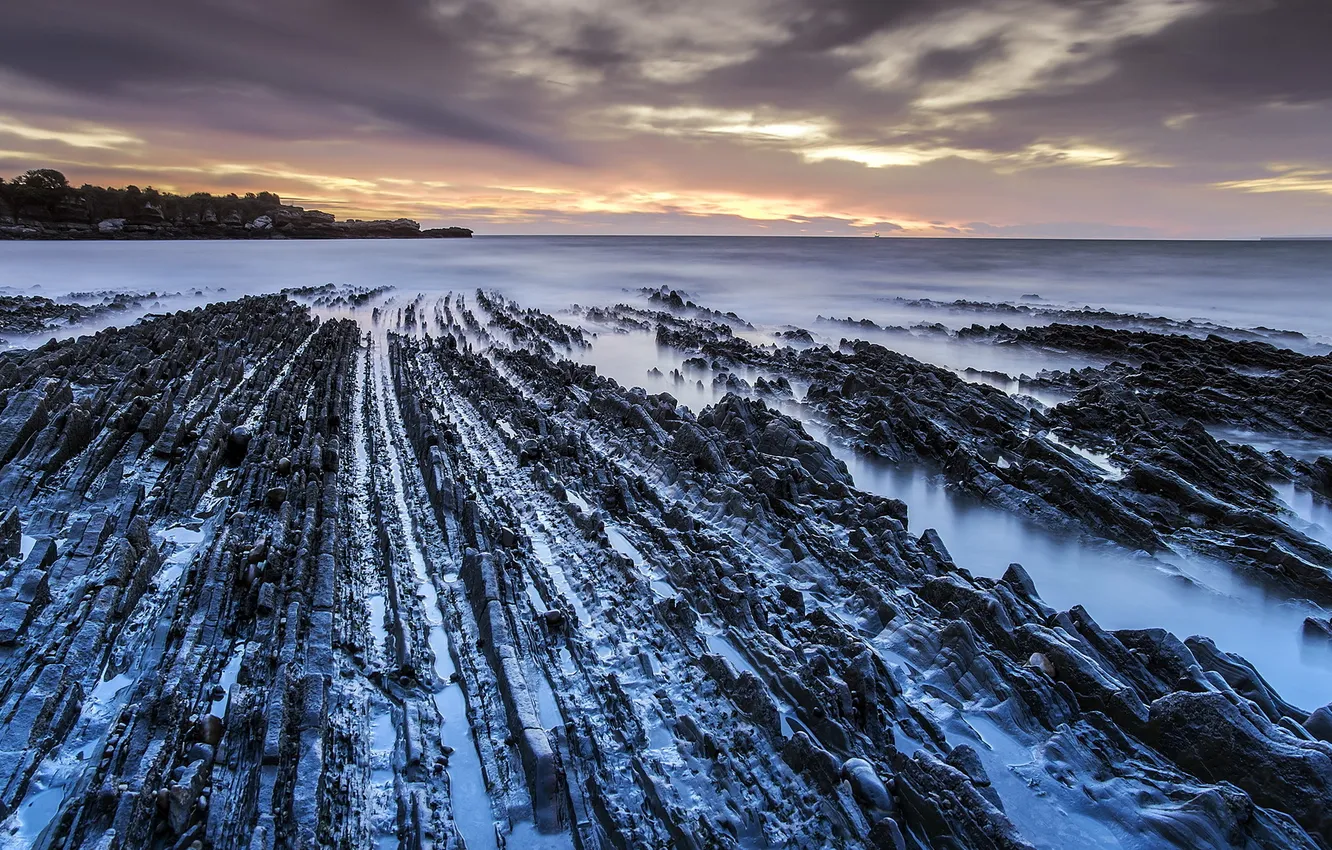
pixel 52 211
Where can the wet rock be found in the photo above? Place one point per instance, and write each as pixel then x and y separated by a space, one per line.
pixel 554 619
pixel 210 729
pixel 182 797
pixel 804 756
pixel 964 758
pixel 886 835
pixel 1039 661
pixel 1319 723
pixel 868 787
pixel 529 452
pixel 1219 741
pixel 754 700
pixel 10 530
pixel 200 752
pixel 1318 627
pixel 238 441
pixel 316 602
pixel 942 801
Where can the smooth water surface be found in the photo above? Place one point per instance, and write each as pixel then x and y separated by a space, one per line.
pixel 766 279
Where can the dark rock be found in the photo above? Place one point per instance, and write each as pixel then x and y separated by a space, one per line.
pixel 1219 741
pixel 1319 723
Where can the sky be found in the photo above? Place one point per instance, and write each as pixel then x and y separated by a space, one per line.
pixel 1022 118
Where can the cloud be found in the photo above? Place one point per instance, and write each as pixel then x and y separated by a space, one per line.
pixel 1240 52
pixel 584 41
pixel 1057 230
pixel 390 62
pixel 640 223
pixel 994 51
pixel 816 138
pixel 76 136
pixel 746 125
pixel 1014 112
pixel 1039 154
pixel 1287 178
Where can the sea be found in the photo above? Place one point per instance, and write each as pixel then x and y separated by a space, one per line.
pixel 776 283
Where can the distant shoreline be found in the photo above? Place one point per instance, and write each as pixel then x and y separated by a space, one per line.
pixel 41 205
pixel 383 230
pixel 278 224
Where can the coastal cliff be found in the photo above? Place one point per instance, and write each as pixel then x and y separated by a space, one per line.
pixel 41 204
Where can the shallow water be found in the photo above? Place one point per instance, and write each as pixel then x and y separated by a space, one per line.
pixel 1303 448
pixel 1119 588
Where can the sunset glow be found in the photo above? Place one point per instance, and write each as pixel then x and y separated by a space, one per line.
pixel 588 116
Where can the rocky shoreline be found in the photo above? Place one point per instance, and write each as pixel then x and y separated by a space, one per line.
pixel 1142 470
pixel 408 574
pixel 24 314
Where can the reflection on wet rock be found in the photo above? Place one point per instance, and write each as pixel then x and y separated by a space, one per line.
pixel 352 567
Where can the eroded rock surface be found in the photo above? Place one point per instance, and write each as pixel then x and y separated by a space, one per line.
pixel 420 578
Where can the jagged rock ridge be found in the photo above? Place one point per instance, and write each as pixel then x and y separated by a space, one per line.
pixel 420 579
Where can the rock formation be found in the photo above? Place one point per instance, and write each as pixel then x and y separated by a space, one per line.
pixel 418 578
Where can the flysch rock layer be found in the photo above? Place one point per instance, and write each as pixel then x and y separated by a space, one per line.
pixel 406 574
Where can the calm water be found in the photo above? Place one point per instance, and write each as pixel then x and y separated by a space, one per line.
pixel 775 281
pixel 767 279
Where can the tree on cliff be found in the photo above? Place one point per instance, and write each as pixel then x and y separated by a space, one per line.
pixel 37 193
pixel 42 180
pixel 41 203
pixel 44 194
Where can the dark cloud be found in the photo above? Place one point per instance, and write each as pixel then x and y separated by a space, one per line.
pixel 402 63
pixel 1220 70
pixel 819 27
pixel 1242 51
pixel 596 46
pixel 390 60
pixel 1227 58
pixel 951 63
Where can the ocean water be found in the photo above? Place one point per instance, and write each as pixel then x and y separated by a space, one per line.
pixel 773 280
pixel 791 281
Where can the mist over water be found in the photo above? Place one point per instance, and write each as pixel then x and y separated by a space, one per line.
pixel 775 282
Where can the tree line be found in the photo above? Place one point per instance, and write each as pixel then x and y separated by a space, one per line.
pixel 46 194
